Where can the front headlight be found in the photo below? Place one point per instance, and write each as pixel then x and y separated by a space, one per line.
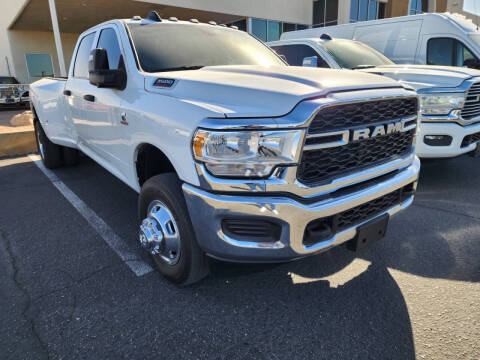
pixel 441 104
pixel 246 153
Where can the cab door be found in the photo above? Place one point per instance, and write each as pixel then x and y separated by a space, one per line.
pixel 99 120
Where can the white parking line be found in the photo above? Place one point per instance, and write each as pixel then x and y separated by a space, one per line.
pixel 117 244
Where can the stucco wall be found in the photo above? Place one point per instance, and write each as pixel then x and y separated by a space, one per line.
pixel 9 8
pixel 22 42
pixel 295 11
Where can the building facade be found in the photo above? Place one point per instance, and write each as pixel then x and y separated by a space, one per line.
pixel 37 37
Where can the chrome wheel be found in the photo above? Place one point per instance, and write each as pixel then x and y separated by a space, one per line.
pixel 159 233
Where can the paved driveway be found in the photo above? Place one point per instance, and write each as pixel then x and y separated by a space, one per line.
pixel 65 293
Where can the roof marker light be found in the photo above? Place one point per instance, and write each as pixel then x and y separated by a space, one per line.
pixel 137 17
pixel 194 21
pixel 234 27
pixel 172 18
pixel 212 23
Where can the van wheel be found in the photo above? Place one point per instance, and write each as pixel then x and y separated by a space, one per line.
pixel 166 231
pixel 71 156
pixel 51 153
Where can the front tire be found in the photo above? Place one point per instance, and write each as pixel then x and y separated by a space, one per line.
pixel 51 153
pixel 163 214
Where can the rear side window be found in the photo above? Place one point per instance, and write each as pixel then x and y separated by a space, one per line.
pixel 448 52
pixel 80 69
pixel 108 40
pixel 296 53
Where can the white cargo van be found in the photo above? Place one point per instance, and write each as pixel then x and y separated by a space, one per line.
pixel 433 39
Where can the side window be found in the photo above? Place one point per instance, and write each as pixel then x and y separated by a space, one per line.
pixel 447 51
pixel 80 68
pixel 296 53
pixel 108 41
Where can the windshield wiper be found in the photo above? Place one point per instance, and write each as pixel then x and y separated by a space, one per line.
pixel 362 67
pixel 180 68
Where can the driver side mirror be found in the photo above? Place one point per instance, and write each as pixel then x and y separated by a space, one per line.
pixel 311 61
pixel 472 63
pixel 99 73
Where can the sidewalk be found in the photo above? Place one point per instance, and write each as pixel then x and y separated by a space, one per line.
pixel 16 132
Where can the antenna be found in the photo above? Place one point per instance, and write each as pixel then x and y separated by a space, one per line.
pixel 153 15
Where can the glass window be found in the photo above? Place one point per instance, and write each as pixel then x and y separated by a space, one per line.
pixel 448 51
pixel 274 30
pixel 415 7
pixel 354 11
pixel 259 29
pixel 241 24
pixel 372 10
pixel 168 47
pixel 39 65
pixel 296 53
pixel 8 80
pixel 80 68
pixel 288 27
pixel 325 13
pixel 362 10
pixel 352 54
pixel 108 41
pixel 302 27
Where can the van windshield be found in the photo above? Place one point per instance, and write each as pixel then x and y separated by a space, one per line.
pixel 355 55
pixel 170 47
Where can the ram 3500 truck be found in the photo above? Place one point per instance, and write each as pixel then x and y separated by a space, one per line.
pixel 235 154
pixel 449 96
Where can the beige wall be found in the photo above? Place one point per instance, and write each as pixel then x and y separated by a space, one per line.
pixel 22 42
pixel 8 10
pixel 295 11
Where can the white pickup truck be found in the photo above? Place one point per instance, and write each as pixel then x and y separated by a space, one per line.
pixel 235 155
pixel 449 96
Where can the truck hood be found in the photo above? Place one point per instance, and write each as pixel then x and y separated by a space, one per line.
pixel 260 91
pixel 425 76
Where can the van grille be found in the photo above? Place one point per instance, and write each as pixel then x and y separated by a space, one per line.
pixel 471 108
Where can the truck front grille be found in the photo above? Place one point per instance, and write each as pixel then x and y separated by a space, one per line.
pixel 471 109
pixel 322 165
pixel 362 113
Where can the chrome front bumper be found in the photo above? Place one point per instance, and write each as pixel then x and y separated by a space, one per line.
pixel 208 209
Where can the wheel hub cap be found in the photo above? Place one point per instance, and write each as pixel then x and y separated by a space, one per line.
pixel 159 233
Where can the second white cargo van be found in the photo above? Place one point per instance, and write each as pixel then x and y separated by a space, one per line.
pixel 433 39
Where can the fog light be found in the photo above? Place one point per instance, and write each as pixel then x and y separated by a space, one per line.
pixel 437 140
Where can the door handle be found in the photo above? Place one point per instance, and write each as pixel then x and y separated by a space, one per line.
pixel 89 98
pixel 67 92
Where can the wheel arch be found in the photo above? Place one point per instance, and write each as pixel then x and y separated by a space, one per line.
pixel 149 161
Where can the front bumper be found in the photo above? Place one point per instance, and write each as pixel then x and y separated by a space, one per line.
pixel 9 101
pixel 456 131
pixel 208 209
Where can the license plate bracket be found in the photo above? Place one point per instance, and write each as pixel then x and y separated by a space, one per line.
pixel 369 233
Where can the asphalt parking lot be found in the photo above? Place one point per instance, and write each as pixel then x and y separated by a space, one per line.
pixel 66 294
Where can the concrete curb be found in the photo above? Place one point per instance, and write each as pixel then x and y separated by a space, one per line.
pixel 17 141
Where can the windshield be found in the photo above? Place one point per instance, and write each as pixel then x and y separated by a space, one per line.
pixel 355 55
pixel 8 80
pixel 167 47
